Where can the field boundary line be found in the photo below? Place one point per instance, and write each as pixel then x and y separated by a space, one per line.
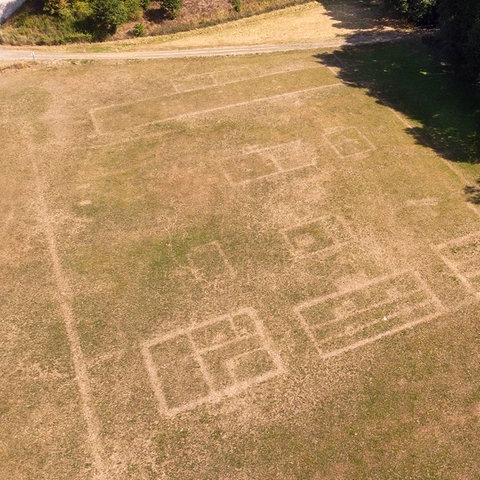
pixel 64 298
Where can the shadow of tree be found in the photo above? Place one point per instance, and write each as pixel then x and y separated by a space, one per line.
pixel 407 76
pixel 156 13
pixel 473 192
pixel 359 15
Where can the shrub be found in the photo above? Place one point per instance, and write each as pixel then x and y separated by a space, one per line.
pixel 54 7
pixel 237 5
pixel 139 30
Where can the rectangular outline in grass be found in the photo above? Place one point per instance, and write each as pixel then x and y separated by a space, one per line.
pixel 454 266
pixel 215 395
pixel 371 146
pixel 230 271
pixel 100 131
pixel 279 169
pixel 431 298
pixel 327 251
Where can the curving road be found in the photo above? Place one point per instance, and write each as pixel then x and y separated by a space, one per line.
pixel 44 54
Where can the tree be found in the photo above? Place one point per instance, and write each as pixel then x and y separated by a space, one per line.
pixel 108 15
pixel 421 12
pixel 171 7
pixel 460 31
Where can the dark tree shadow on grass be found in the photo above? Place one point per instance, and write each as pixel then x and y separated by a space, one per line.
pixel 473 192
pixel 404 71
pixel 359 15
pixel 407 76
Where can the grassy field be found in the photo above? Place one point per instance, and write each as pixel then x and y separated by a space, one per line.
pixel 239 269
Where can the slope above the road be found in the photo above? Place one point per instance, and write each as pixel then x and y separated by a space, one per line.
pixel 309 23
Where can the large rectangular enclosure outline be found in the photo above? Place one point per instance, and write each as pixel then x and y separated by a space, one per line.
pixel 334 248
pixel 158 97
pixel 369 146
pixel 455 266
pixel 432 299
pixel 215 395
pixel 269 96
pixel 269 152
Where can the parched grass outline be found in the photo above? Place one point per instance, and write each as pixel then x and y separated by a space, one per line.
pixel 279 169
pixel 329 131
pixel 183 116
pixel 216 244
pixel 324 251
pixel 213 76
pixel 455 267
pixel 215 395
pixel 333 353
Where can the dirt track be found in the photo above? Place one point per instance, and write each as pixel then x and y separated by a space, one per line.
pixel 9 54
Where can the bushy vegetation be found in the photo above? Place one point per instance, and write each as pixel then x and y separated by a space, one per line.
pixel 138 30
pixel 108 15
pixel 62 21
pixel 417 11
pixel 53 22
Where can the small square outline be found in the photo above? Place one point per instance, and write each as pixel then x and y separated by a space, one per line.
pixel 370 146
pixel 324 251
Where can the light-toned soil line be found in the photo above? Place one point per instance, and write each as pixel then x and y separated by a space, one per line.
pixel 64 298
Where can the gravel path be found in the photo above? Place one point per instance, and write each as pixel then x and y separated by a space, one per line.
pixel 44 54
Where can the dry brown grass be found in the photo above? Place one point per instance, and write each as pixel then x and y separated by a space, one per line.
pixel 273 199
